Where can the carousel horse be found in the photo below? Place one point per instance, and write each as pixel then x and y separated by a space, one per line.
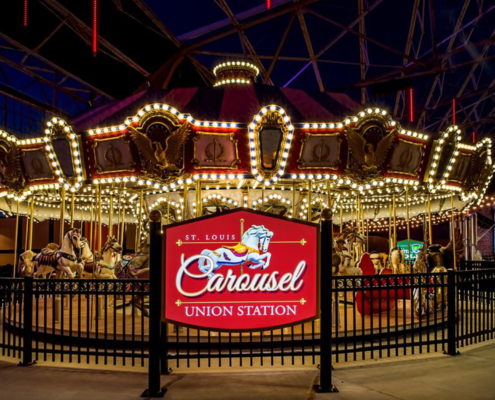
pixel 354 241
pixel 111 253
pixel 336 262
pixel 427 300
pixel 421 263
pixel 26 264
pixel 104 268
pixel 396 261
pixel 348 266
pixel 253 248
pixel 136 267
pixel 88 259
pixel 379 260
pixel 62 260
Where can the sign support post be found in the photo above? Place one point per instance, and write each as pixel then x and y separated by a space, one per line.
pixel 326 252
pixel 155 262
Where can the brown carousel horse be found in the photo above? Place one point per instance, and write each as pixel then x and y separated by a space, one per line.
pixel 136 267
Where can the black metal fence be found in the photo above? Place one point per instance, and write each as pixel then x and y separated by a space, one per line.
pixel 83 321
pixel 105 322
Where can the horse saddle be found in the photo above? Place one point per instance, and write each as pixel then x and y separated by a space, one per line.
pixel 240 250
pixel 50 249
pixel 67 256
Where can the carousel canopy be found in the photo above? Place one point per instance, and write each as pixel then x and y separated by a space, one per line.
pixel 240 144
pixel 226 103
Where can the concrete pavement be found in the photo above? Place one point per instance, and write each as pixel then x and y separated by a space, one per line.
pixel 470 376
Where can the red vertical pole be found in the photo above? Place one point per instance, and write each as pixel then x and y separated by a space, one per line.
pixel 268 4
pixel 411 105
pixel 25 13
pixel 453 111
pixel 474 137
pixel 95 27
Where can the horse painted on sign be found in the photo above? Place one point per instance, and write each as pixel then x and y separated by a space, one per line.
pixel 253 248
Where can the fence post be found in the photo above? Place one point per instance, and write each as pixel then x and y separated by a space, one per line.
pixel 451 313
pixel 326 251
pixel 155 265
pixel 27 331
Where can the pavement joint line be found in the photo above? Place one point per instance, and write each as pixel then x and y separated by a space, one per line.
pixel 370 389
pixel 174 379
pixel 310 394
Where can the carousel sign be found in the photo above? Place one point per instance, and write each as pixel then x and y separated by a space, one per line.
pixel 241 270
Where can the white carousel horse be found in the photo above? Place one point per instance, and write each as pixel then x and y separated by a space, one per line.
pixel 88 259
pixel 348 266
pixel 63 260
pixel 111 252
pixel 397 259
pixel 354 242
pixel 253 247
pixel 379 261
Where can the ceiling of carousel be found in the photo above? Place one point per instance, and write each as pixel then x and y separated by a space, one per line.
pixel 374 51
pixel 426 64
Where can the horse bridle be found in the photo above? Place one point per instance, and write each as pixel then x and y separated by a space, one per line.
pixel 110 246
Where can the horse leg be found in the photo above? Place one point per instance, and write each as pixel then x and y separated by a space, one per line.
pixel 67 270
pixel 268 257
pixel 258 262
pixel 204 268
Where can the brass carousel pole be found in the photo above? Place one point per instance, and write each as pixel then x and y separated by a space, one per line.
pixel 454 267
pixel 341 215
pixel 72 201
pixel 310 197
pixel 262 197
pixel 361 207
pixel 390 238
pixel 119 208
pixel 15 239
pixel 81 223
pixel 110 217
pixel 394 207
pixel 122 221
pixel 26 237
pixel 62 215
pixel 293 199
pixel 91 226
pixel 408 229
pixel 31 224
pixel 140 220
pixel 185 213
pixel 430 228
pixel 199 202
pixel 367 234
pixel 99 221
pixel 357 220
pixel 425 225
pixel 168 209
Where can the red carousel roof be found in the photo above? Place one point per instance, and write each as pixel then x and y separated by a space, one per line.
pixel 226 103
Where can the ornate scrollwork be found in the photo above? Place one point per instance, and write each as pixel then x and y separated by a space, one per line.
pixel 10 165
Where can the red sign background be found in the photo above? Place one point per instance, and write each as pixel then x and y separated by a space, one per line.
pixel 294 264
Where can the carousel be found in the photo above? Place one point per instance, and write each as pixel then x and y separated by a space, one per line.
pixel 198 151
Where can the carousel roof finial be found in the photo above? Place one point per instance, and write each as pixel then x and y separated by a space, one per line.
pixel 234 72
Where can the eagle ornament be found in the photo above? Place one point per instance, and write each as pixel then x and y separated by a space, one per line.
pixel 10 166
pixel 367 159
pixel 154 156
